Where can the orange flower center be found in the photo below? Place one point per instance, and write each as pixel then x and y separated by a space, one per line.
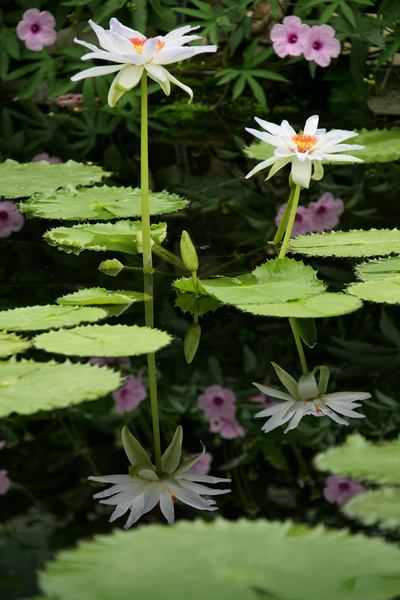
pixel 138 43
pixel 318 410
pixel 304 142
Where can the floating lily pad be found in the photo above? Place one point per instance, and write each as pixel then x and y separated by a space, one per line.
pixel 103 340
pixel 372 507
pixel 30 318
pixel 27 386
pixel 98 296
pixel 23 179
pixel 360 459
pixel 124 236
pixel 375 242
pixel 12 344
pixel 226 560
pixel 100 203
pixel 324 305
pixel 381 281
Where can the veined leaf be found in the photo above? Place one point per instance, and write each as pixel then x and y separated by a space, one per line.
pixel 31 318
pixel 12 344
pixel 381 281
pixel 98 296
pixel 27 386
pixel 375 242
pixel 380 506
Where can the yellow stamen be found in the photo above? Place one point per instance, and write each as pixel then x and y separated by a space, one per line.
pixel 304 142
pixel 318 410
pixel 138 43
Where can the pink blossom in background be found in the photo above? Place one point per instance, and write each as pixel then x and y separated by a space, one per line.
pixel 53 160
pixel 262 398
pixel 10 219
pixel 120 361
pixel 130 394
pixel 227 429
pixel 4 482
pixel 37 29
pixel 325 212
pixel 217 403
pixel 321 45
pixel 302 222
pixel 289 38
pixel 69 101
pixel 340 489
pixel 202 466
pixel 2 444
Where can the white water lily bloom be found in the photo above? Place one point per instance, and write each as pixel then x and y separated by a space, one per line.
pixel 303 150
pixel 133 53
pixel 143 488
pixel 308 397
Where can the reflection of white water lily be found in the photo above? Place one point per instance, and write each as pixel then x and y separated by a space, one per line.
pixel 143 488
pixel 134 53
pixel 303 150
pixel 308 397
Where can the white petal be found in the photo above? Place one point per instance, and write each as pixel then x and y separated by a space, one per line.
pixel 202 489
pixel 273 392
pixel 119 511
pixel 270 127
pixel 262 165
pixel 342 158
pixel 166 505
pixel 193 499
pixel 295 420
pixel 96 71
pixel 311 125
pixel 347 396
pixel 126 32
pixel 203 478
pixel 301 172
pixel 266 137
pixel 104 39
pixel 184 87
pixel 283 407
pixel 129 77
pixel 111 478
pixel 276 421
pixel 344 410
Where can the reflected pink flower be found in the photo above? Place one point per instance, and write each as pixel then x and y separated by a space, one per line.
pixel 10 219
pixel 340 489
pixel 53 160
pixel 130 395
pixel 203 465
pixel 324 213
pixel 321 45
pixel 37 29
pixel 217 403
pixel 227 429
pixel 4 482
pixel 289 38
pixel 302 222
pixel 119 361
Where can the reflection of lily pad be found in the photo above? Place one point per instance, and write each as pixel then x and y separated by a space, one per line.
pixel 23 179
pixel 226 560
pixel 101 203
pixel 30 318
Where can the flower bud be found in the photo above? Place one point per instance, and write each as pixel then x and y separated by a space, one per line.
pixel 111 267
pixel 188 253
pixel 191 342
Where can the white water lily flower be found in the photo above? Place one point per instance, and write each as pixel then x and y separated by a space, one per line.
pixel 308 397
pixel 303 150
pixel 133 53
pixel 143 488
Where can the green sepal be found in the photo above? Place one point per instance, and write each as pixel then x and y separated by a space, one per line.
pixel 318 172
pixel 188 253
pixel 134 451
pixel 171 457
pixel 190 462
pixel 191 341
pixel 307 331
pixel 111 267
pixel 307 386
pixel 288 381
pixel 323 378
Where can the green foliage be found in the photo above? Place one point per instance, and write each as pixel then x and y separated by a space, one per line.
pixel 31 318
pixel 353 567
pixel 12 344
pixel 358 243
pixel 380 281
pixel 98 203
pixel 24 179
pixel 99 296
pixel 27 387
pixel 103 340
pixel 381 506
pixel 381 145
pixel 363 460
pixel 123 236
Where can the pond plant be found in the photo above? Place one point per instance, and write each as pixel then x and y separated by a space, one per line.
pixel 109 368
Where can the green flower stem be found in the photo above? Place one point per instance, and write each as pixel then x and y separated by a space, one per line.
pixel 148 267
pixel 168 256
pixel 299 345
pixel 281 229
pixel 295 202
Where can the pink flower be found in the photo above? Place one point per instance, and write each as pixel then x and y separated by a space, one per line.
pixel 120 361
pixel 227 429
pixel 321 45
pixel 70 101
pixel 4 482
pixel 217 403
pixel 324 213
pixel 203 465
pixel 10 219
pixel 341 489
pixel 53 160
pixel 130 394
pixel 290 37
pixel 37 29
pixel 302 222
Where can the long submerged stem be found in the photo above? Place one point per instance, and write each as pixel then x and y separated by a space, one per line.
pixel 285 243
pixel 148 267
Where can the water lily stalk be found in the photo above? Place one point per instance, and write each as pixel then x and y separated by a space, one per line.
pixel 285 243
pixel 299 345
pixel 285 217
pixel 148 267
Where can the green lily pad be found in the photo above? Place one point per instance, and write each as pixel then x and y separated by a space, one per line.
pixel 381 281
pixel 30 318
pixel 97 296
pixel 124 236
pixel 375 242
pixel 27 386
pixel 12 344
pixel 103 340
pixel 24 179
pixel 324 305
pixel 225 560
pixel 380 506
pixel 363 460
pixel 101 203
